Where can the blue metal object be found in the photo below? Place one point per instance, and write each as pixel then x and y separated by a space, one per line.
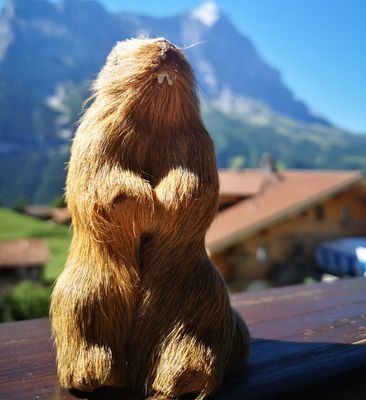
pixel 342 257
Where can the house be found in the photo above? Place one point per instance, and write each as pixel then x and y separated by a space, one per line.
pixel 236 186
pixel 23 258
pixel 39 211
pixel 269 223
pixel 60 215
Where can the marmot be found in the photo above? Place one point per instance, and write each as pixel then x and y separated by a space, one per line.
pixel 139 303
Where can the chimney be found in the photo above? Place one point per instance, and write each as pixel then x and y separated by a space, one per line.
pixel 269 171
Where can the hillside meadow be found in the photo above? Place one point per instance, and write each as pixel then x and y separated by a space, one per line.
pixel 15 225
pixel 29 299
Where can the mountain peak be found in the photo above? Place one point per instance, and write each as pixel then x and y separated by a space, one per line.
pixel 208 13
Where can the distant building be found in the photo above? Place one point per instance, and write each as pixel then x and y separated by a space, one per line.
pixel 270 222
pixel 60 215
pixel 23 258
pixel 38 211
pixel 236 186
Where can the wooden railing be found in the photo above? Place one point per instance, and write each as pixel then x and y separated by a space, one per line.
pixel 309 342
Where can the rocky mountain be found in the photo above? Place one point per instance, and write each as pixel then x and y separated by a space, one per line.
pixel 70 39
pixel 50 51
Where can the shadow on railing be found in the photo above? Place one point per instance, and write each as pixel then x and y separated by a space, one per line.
pixel 279 369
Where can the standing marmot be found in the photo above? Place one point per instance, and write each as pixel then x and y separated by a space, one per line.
pixel 139 303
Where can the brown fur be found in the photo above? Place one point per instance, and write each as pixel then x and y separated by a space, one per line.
pixel 139 303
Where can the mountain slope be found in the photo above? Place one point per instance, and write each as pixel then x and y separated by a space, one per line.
pixel 49 52
pixel 44 44
pixel 241 143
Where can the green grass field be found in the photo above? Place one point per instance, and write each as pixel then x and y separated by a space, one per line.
pixel 14 225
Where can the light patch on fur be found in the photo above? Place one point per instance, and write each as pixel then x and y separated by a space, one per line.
pixel 185 366
pixel 177 188
pixel 92 367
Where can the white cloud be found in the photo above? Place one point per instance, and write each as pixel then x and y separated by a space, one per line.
pixel 208 13
pixel 208 73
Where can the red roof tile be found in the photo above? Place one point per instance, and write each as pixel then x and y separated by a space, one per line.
pixel 240 183
pixel 61 215
pixel 23 253
pixel 296 191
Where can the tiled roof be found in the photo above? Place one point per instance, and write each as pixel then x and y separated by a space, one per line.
pixel 239 183
pixel 60 215
pixel 39 211
pixel 294 192
pixel 23 253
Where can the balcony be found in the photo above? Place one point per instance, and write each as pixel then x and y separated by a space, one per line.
pixel 308 342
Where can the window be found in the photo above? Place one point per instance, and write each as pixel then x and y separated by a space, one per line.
pixel 304 213
pixel 319 213
pixel 262 253
pixel 346 215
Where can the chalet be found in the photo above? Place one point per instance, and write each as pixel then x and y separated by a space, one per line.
pixel 60 215
pixel 23 258
pixel 39 211
pixel 269 224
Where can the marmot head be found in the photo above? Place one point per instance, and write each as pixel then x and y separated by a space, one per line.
pixel 149 79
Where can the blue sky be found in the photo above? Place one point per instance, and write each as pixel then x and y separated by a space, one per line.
pixel 318 45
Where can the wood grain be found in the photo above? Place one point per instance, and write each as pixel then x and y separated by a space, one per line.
pixel 308 342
